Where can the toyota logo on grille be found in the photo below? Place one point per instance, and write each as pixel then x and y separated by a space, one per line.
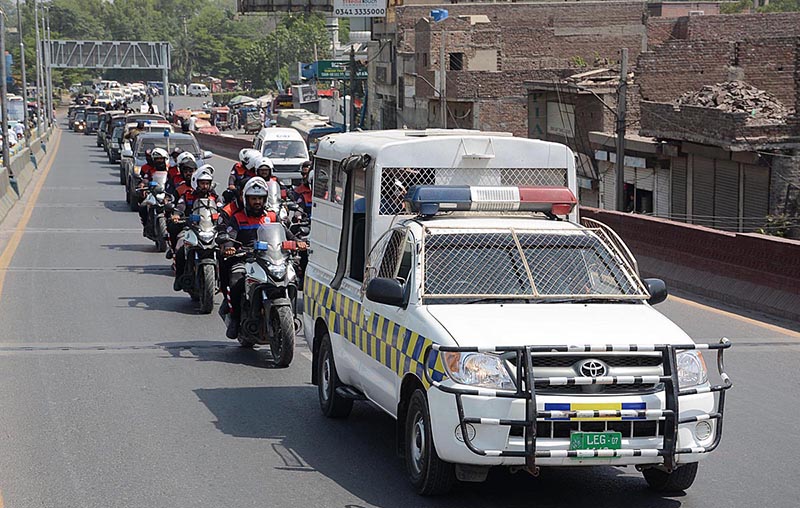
pixel 592 368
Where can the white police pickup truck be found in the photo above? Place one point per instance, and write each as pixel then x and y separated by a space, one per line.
pixel 452 285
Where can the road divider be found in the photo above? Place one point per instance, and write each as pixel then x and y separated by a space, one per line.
pixel 22 167
pixel 226 146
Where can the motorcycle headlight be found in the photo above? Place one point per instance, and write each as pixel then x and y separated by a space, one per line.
pixel 477 369
pixel 206 236
pixel 692 369
pixel 277 271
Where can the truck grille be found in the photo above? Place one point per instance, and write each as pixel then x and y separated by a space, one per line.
pixel 628 429
pixel 287 168
pixel 568 365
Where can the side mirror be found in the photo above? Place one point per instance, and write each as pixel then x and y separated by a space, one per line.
pixel 127 153
pixel 207 154
pixel 657 289
pixel 387 291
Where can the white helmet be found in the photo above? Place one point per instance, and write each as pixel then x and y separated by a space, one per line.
pixel 202 174
pixel 183 157
pixel 207 167
pixel 159 153
pixel 255 186
pixel 246 154
pixel 258 162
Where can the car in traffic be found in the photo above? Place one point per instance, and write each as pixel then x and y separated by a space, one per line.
pixel 198 90
pixel 286 148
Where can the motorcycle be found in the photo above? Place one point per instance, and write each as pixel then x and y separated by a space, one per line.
pixel 156 200
pixel 200 277
pixel 270 294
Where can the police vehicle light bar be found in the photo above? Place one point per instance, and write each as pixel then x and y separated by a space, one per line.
pixel 428 200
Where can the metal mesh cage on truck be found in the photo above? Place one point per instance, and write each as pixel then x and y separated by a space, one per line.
pixel 395 182
pixel 526 383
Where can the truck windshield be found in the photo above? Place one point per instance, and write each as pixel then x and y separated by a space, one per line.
pixel 546 266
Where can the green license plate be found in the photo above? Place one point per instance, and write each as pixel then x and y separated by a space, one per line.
pixel 595 441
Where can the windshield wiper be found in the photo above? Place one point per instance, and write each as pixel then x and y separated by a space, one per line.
pixel 588 300
pixel 500 299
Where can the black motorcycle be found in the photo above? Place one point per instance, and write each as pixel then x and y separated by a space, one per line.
pixel 156 199
pixel 200 277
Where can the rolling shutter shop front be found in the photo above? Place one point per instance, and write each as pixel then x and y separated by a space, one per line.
pixel 756 195
pixel 678 190
pixel 726 195
pixel 702 190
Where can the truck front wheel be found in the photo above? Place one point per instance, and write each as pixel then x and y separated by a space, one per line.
pixel 429 474
pixel 680 479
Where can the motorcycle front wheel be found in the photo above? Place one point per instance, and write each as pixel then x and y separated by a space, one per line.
pixel 207 289
pixel 281 342
pixel 161 234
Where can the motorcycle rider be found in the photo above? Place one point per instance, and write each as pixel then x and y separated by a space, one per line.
pixel 179 177
pixel 187 167
pixel 304 190
pixel 201 188
pixel 159 157
pixel 173 170
pixel 240 171
pixel 263 167
pixel 243 227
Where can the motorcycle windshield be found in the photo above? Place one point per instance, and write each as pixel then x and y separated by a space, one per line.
pixel 160 177
pixel 206 209
pixel 273 235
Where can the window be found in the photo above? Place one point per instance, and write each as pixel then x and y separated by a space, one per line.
pixel 321 178
pixel 391 258
pixel 425 60
pixel 339 182
pixel 456 61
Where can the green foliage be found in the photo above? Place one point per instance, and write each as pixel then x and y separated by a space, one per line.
pixel 777 225
pixel 208 38
pixel 736 7
pixel 747 6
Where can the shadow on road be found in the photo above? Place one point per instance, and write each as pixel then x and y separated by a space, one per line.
pixel 149 269
pixel 134 247
pixel 117 205
pixel 227 351
pixel 180 303
pixel 359 455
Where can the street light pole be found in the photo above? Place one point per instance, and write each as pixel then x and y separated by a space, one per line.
pixel 39 59
pixel 24 79
pixel 49 74
pixel 4 93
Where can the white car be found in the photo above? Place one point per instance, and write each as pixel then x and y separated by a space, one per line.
pixel 452 285
pixel 198 90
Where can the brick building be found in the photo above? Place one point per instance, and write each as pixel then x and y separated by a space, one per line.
pixel 491 49
pixel 727 169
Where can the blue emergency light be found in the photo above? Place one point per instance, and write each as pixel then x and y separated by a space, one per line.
pixel 166 133
pixel 428 200
pixel 261 246
pixel 194 218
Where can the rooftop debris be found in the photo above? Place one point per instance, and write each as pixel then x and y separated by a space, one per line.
pixel 738 97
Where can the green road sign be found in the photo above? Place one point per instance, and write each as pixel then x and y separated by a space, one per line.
pixel 339 69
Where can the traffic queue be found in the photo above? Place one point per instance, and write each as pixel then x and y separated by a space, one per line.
pixel 258 226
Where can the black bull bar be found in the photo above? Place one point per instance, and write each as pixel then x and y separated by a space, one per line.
pixel 525 389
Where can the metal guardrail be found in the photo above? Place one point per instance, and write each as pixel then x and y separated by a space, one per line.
pixel 525 389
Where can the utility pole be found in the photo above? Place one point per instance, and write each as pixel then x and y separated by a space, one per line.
pixel 621 105
pixel 442 82
pixel 24 79
pixel 39 60
pixel 4 92
pixel 165 76
pixel 49 72
pixel 352 88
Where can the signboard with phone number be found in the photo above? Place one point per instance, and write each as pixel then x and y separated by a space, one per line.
pixel 359 8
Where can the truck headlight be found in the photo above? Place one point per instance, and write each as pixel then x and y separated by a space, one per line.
pixel 692 369
pixel 477 369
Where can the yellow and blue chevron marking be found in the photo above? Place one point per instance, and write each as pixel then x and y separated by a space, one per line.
pixel 395 346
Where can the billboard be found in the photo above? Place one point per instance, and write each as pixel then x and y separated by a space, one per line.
pixel 340 69
pixel 359 8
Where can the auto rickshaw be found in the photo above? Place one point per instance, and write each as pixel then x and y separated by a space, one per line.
pixel 221 117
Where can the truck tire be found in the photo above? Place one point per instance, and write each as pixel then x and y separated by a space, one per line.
pixel 678 480
pixel 282 342
pixel 332 404
pixel 429 474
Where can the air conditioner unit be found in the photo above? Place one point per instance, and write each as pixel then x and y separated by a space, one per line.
pixel 696 13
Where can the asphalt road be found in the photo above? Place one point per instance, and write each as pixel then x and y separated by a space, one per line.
pixel 116 393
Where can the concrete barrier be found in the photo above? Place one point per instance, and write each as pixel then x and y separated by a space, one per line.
pixel 749 270
pixel 223 145
pixel 22 168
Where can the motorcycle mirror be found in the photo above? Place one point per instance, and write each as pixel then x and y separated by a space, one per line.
pixel 223 238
